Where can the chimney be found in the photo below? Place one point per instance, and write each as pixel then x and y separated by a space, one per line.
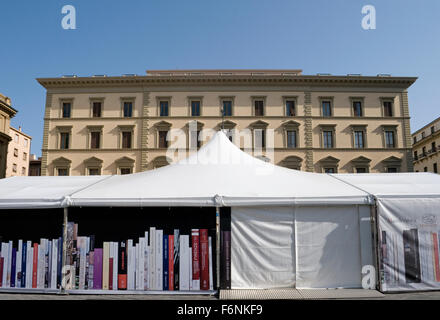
pixel 19 128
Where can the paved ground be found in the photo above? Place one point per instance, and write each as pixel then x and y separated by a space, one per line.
pixel 432 295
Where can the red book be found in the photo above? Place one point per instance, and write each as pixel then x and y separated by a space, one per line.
pixel 171 262
pixel 204 260
pixel 436 258
pixel 195 237
pixel 1 270
pixel 35 266
pixel 110 274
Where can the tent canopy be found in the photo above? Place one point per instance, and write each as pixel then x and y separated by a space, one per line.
pixel 219 174
pixel 389 185
pixel 41 192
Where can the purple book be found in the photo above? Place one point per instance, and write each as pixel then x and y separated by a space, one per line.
pixel 97 269
pixel 13 266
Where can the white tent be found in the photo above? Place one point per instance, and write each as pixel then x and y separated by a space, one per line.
pixel 409 227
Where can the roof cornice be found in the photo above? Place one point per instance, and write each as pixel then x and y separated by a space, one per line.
pixel 153 80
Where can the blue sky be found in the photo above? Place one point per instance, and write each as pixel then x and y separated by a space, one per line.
pixel 117 37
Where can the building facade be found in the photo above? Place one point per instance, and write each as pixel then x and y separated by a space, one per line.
pixel 6 113
pixel 18 153
pixel 34 165
pixel 320 123
pixel 426 147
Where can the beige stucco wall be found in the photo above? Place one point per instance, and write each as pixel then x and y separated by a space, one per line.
pixel 426 162
pixel 22 143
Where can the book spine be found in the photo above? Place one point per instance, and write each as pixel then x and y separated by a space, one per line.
pixel 122 266
pixel 141 264
pixel 3 255
pixel 184 263
pixel 97 270
pixel 147 266
pixel 204 260
pixel 110 274
pixel 105 266
pixel 91 269
pixel 115 265
pixel 195 258
pixel 40 265
pixel 129 264
pixel 53 282
pixel 211 274
pixel 159 259
pixel 228 259
pixel 165 263
pixel 152 254
pixel 136 266
pixel 83 257
pixel 171 262
pixel 13 266
pixel 47 263
pixel 35 266
pixel 19 263
pixel 29 264
pixel 176 258
pixel 24 253
pixel 8 276
pixel 190 263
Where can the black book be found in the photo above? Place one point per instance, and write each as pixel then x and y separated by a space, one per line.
pixel 176 258
pixel 122 265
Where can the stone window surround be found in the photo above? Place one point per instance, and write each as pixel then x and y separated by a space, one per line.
pixel 332 108
pixel 128 99
pixel 63 129
pixel 329 162
pixel 259 124
pixel 359 127
pixel 392 162
pixel 125 128
pixel 227 98
pixel 327 127
pixel 290 98
pixel 124 163
pixel 163 98
pixel 357 99
pixel 91 129
pixel 258 98
pixel 61 163
pixel 361 162
pixel 92 163
pixel 96 99
pixel 389 127
pixel 195 98
pixel 161 126
pixel 60 109
pixel 291 126
pixel 200 126
pixel 292 162
pixel 393 108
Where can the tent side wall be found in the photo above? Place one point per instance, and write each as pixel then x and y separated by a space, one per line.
pixel 304 247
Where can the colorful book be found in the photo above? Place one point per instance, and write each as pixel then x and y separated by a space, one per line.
pixel 13 266
pixel 165 285
pixel 176 258
pixel 105 266
pixel 110 274
pixel 24 253
pixel 91 269
pixel 8 276
pixel 35 266
pixel 115 265
pixel 211 274
pixel 204 260
pixel 4 255
pixel 171 262
pixel 19 264
pixel 122 266
pixel 195 244
pixel 97 270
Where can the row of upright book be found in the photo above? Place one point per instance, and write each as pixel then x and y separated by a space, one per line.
pixel 156 261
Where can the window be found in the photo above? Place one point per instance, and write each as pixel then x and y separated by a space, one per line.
pixel 25 142
pixel 16 138
pixel 359 139
pixel 64 140
pixel 435 167
pixel 24 156
pixel 260 138
pixel 14 167
pixel 423 134
pixel 424 151
pixel 387 108
pixel 389 139
pixel 125 170
pixel 227 108
pixel 425 169
pixel 357 109
pixel 291 139
pixel 63 171
pixel 259 108
pixel 329 170
pixel 95 139
pixel 23 171
pixel 290 108
pixel 163 143
pixel 195 108
pixel 414 140
pixel 163 106
pixel 126 139
pixel 67 106
pixel 15 152
pixel 361 170
pixel 432 129
pixel 128 109
pixel 96 109
pixel 433 148
pixel 327 139
pixel 326 108
pixel 415 155
pixel 94 172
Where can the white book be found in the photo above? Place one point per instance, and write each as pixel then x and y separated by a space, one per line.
pixel 146 261
pixel 133 264
pixel 136 271
pixel 54 265
pixel 191 282
pixel 130 265
pixel 29 257
pixel 8 275
pixel 211 275
pixel 115 266
pixel 82 244
pixel 152 256
pixel 39 263
pixel 18 264
pixel 159 259
pixel 142 263
pixel 49 275
pixel 5 262
pixel 183 263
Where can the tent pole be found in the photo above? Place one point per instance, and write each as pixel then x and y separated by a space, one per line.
pixel 377 246
pixel 217 244
pixel 63 264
